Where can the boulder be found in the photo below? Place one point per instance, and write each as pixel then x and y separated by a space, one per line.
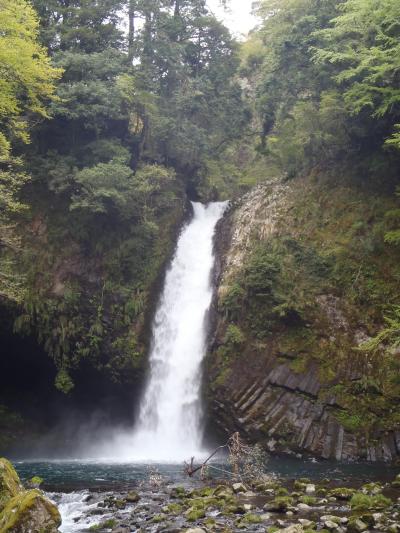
pixel 238 487
pixel 10 485
pixel 29 511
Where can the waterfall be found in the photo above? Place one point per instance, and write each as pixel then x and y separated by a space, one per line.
pixel 170 419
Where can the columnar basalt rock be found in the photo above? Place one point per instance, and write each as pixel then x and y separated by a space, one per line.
pixel 269 386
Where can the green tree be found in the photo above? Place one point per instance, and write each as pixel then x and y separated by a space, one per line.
pixel 363 44
pixel 26 89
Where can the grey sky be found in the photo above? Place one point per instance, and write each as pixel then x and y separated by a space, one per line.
pixel 238 18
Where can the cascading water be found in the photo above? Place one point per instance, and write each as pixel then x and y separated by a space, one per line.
pixel 169 426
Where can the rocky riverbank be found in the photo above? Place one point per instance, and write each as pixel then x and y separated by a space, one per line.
pixel 267 505
pixel 298 506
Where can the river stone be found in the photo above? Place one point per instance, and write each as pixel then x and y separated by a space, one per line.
pixel 132 497
pixel 195 530
pixel 330 525
pixel 10 485
pixel 308 524
pixel 303 507
pixel 238 487
pixel 29 511
pixel 295 528
pixel 331 518
pixel 310 488
pixel 356 525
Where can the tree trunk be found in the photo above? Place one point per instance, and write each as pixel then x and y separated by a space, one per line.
pixel 131 31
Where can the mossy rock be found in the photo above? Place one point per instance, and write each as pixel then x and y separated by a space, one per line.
pixel 193 515
pixel 107 524
pixel 299 485
pixel 35 482
pixel 249 519
pixel 132 497
pixel 356 525
pixel 396 482
pixel 223 492
pixel 282 491
pixel 210 522
pixel 279 505
pixel 207 491
pixel 342 493
pixel 10 485
pixel 178 492
pixel 372 488
pixel 158 518
pixel 363 502
pixel 29 511
pixel 173 508
pixel 233 508
pixel 309 500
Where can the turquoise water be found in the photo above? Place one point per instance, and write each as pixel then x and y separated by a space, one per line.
pixel 76 475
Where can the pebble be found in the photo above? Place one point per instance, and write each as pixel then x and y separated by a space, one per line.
pixel 303 507
pixel 330 525
pixel 305 523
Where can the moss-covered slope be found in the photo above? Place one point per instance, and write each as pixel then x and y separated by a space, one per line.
pixel 306 279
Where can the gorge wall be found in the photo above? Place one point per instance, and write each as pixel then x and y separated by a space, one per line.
pixel 303 279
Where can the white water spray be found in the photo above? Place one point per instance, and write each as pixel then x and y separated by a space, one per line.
pixel 170 421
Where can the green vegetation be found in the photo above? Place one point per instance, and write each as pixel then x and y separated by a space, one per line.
pixel 104 134
pixel 101 135
pixel 363 502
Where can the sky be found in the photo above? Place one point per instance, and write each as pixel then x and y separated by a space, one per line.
pixel 238 18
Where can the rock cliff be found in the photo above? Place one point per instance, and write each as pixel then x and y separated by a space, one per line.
pixel 304 279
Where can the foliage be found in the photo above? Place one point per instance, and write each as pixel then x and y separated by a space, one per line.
pixel 26 88
pixel 27 77
pixel 363 502
pixel 363 45
pixel 326 89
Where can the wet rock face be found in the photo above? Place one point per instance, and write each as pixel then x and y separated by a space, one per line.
pixel 260 389
pixel 24 511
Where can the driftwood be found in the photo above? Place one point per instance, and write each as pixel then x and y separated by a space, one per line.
pixel 191 469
